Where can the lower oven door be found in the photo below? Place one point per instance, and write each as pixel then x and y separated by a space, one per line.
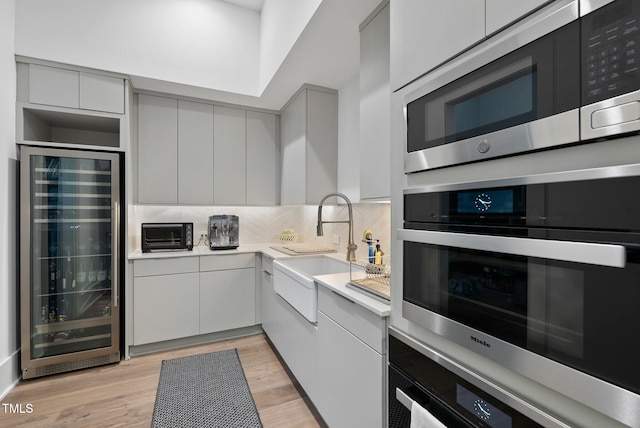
pixel 515 300
pixel 451 395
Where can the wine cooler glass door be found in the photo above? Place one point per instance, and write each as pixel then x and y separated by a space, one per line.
pixel 73 264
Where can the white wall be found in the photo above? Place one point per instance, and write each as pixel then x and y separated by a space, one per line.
pixel 207 43
pixel 282 21
pixel 8 172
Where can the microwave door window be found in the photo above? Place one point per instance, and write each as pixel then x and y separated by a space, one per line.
pixel 491 87
pixel 494 107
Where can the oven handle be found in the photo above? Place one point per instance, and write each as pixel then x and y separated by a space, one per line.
pixel 404 399
pixel 568 251
pixel 407 402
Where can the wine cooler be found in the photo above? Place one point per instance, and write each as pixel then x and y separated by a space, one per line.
pixel 70 259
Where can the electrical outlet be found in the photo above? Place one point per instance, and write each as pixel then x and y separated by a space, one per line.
pixel 335 239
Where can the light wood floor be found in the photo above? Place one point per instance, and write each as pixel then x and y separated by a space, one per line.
pixel 123 394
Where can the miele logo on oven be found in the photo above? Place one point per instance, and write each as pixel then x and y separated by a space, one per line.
pixel 481 342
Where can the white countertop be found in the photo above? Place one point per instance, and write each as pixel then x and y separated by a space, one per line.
pixel 335 282
pixel 203 250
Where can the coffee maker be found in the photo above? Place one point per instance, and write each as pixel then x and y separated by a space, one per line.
pixel 224 232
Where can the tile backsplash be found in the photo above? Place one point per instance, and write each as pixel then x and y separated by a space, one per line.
pixel 259 225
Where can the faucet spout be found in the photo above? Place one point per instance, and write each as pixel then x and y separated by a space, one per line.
pixel 351 247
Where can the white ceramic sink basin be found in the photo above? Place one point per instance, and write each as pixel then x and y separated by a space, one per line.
pixel 293 280
pixel 307 267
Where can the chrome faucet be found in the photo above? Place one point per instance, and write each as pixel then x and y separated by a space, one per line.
pixel 351 247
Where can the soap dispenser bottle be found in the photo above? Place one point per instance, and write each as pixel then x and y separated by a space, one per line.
pixel 368 239
pixel 378 253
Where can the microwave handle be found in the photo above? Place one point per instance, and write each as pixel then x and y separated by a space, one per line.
pixel 569 251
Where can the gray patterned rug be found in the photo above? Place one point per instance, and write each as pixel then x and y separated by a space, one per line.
pixel 208 390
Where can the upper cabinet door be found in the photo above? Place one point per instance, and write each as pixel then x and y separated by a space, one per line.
pixel 501 13
pixel 309 147
pixel 101 93
pixel 261 158
pixel 195 153
pixel 375 108
pixel 229 156
pixel 293 143
pixel 322 145
pixel 157 150
pixel 53 86
pixel 426 33
pixel 59 87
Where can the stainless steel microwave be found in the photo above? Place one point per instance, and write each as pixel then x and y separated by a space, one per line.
pixel 567 74
pixel 166 236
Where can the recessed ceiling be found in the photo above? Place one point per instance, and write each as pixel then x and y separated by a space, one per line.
pixel 249 4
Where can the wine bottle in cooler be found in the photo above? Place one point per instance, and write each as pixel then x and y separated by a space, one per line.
pixel 70 279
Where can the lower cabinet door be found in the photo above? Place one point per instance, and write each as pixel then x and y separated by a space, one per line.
pixel 166 307
pixel 295 339
pixel 227 299
pixel 350 378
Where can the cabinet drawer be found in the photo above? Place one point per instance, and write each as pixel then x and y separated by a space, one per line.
pixel 165 266
pixel 362 323
pixel 227 261
pixel 267 264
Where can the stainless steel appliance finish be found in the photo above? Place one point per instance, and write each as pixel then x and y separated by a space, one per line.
pixel 70 259
pixel 224 232
pixel 610 68
pixel 454 394
pixel 166 237
pixel 544 283
pixel 521 91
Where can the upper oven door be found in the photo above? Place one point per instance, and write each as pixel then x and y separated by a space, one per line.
pixel 519 93
pixel 567 300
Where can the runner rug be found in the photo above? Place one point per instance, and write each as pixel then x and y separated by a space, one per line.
pixel 208 390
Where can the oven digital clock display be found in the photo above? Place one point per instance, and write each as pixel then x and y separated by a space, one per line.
pixel 482 408
pixel 485 201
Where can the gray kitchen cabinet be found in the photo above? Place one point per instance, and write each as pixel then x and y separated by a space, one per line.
pixel 157 172
pixel 229 156
pixel 501 13
pixel 75 89
pixel 350 378
pixel 267 296
pixel 195 153
pixel 101 93
pixel 262 159
pixel 53 86
pixel 309 145
pixel 165 299
pixel 227 292
pixel 427 33
pixel 227 300
pixel 293 336
pixel 181 297
pixel 351 362
pixel 375 106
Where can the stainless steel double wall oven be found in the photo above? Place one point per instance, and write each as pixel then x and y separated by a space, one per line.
pixel 539 273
